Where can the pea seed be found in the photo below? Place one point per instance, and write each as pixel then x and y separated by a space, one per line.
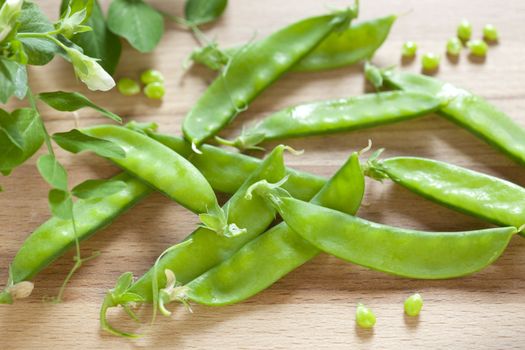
pixel 413 304
pixel 464 31
pixel 154 90
pixel 364 317
pixel 128 87
pixel 478 48
pixel 490 33
pixel 151 76
pixel 430 61
pixel 454 46
pixel 409 49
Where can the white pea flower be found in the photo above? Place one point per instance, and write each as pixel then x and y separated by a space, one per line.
pixel 90 72
pixel 8 14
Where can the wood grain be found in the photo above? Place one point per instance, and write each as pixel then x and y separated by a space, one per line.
pixel 313 307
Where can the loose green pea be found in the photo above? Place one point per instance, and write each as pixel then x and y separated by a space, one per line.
pixel 478 48
pixel 490 32
pixel 430 61
pixel 409 49
pixel 413 304
pixel 151 76
pixel 154 90
pixel 464 31
pixel 128 87
pixel 454 46
pixel 364 317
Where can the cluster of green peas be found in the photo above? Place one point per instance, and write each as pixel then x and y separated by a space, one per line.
pixel 153 81
pixel 478 48
pixel 365 317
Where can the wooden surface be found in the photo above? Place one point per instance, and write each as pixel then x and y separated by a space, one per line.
pixel 313 307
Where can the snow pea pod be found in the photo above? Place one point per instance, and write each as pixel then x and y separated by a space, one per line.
pixel 402 252
pixel 339 49
pixel 339 115
pixel 203 249
pixel 272 255
pixel 469 111
pixel 253 69
pixel 56 236
pixel 495 200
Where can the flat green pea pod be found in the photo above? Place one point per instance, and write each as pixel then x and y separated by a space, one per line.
pixel 469 111
pixel 202 249
pixel 339 49
pixel 487 197
pixel 167 171
pixel 253 69
pixel 332 116
pixel 56 236
pixel 272 255
pixel 401 252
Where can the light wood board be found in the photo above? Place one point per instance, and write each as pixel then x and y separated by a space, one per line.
pixel 313 307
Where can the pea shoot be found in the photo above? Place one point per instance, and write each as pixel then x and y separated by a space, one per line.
pixel 478 48
pixel 151 76
pixel 464 30
pixel 364 317
pixel 430 61
pixel 409 49
pixel 128 87
pixel 490 33
pixel 454 46
pixel 413 304
pixel 154 91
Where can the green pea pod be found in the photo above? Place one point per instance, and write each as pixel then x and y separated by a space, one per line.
pixel 495 200
pixel 469 111
pixel 204 249
pixel 272 255
pixel 402 252
pixel 339 49
pixel 56 236
pixel 167 171
pixel 253 69
pixel 332 116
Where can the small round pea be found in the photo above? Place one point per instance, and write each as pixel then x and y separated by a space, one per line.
pixel 454 46
pixel 478 48
pixel 409 49
pixel 464 30
pixel 364 317
pixel 490 32
pixel 413 304
pixel 151 76
pixel 128 87
pixel 430 61
pixel 154 90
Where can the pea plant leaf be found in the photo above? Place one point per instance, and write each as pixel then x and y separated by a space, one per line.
pixel 32 20
pixel 52 171
pixel 200 12
pixel 139 23
pixel 99 43
pixel 73 101
pixel 75 141
pixel 76 6
pixel 29 133
pixel 98 188
pixel 61 204
pixel 8 126
pixel 13 80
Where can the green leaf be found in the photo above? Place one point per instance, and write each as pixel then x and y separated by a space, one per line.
pixel 73 101
pixel 13 80
pixel 100 43
pixel 32 20
pixel 75 141
pixel 98 188
pixel 31 136
pixel 204 11
pixel 9 126
pixel 60 204
pixel 76 6
pixel 52 171
pixel 137 22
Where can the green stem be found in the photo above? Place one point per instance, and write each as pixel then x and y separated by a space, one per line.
pixel 47 137
pixel 38 35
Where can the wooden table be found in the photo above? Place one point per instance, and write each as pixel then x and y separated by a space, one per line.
pixel 313 307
